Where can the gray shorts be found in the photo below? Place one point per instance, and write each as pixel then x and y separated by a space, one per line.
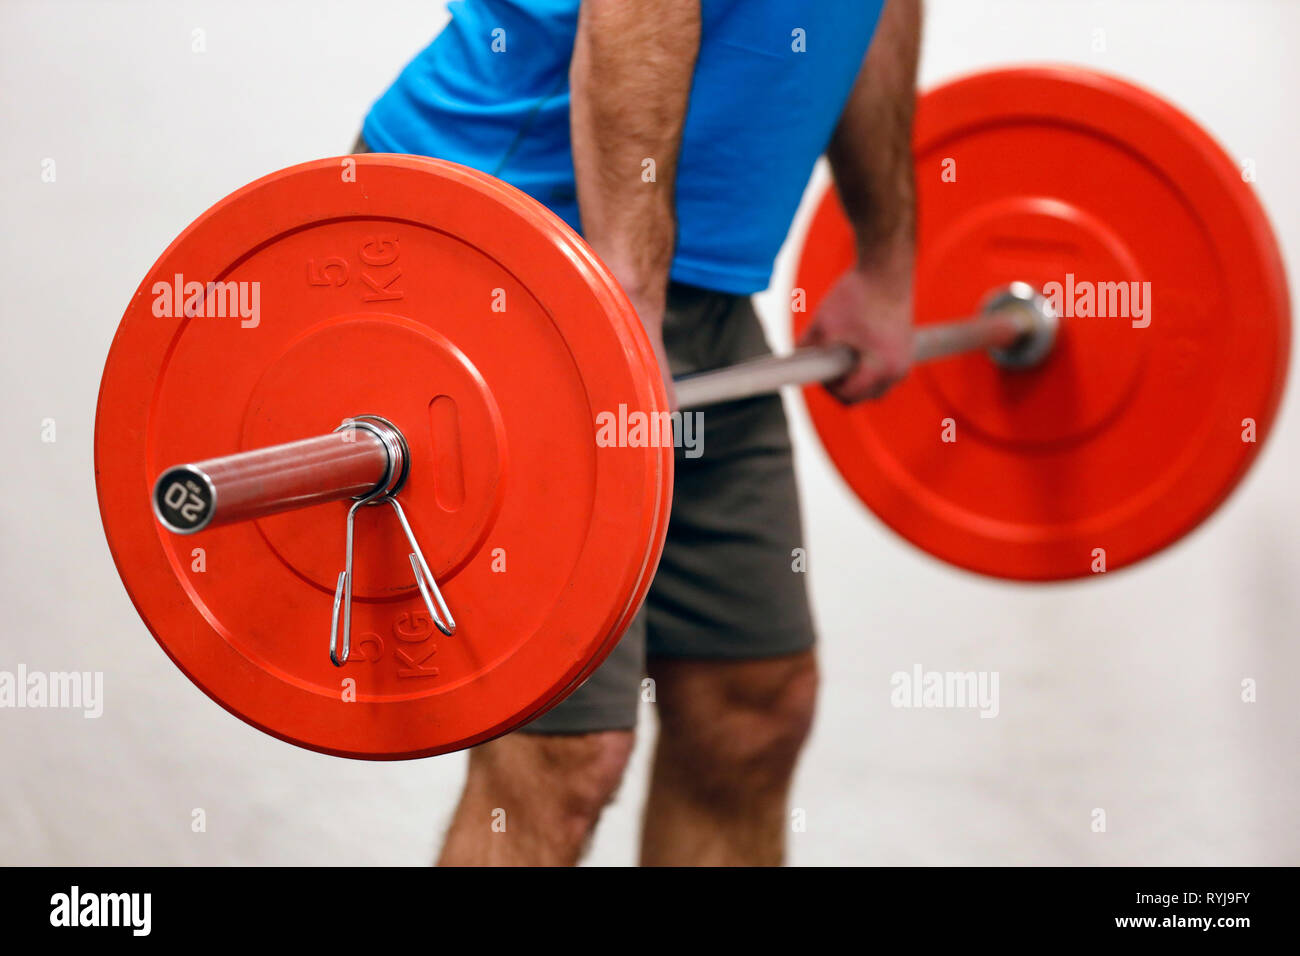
pixel 727 585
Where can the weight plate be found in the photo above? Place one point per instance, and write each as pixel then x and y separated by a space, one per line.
pixel 485 329
pixel 1125 438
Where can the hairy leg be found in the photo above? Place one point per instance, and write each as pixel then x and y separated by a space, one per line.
pixel 730 733
pixel 534 799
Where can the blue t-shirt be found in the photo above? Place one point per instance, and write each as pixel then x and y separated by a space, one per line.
pixel 492 92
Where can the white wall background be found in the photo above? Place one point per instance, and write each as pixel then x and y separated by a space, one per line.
pixel 1120 693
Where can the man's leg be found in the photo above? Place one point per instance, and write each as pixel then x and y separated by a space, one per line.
pixel 729 737
pixel 730 632
pixel 534 797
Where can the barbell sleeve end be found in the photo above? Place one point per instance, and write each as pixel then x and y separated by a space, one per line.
pixel 1042 323
pixel 365 455
pixel 184 499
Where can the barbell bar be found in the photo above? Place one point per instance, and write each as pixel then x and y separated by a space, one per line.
pixel 1016 326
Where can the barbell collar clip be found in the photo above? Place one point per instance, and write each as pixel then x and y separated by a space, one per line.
pixel 399 458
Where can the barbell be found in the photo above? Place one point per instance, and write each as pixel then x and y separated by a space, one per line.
pixel 395 330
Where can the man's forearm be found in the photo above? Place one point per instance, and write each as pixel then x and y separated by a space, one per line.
pixel 871 150
pixel 630 81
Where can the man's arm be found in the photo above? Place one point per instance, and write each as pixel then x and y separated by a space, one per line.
pixel 630 81
pixel 870 308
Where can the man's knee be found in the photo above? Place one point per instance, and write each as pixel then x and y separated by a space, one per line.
pixel 737 725
pixel 562 780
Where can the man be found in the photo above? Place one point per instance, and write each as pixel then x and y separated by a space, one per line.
pixel 678 137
